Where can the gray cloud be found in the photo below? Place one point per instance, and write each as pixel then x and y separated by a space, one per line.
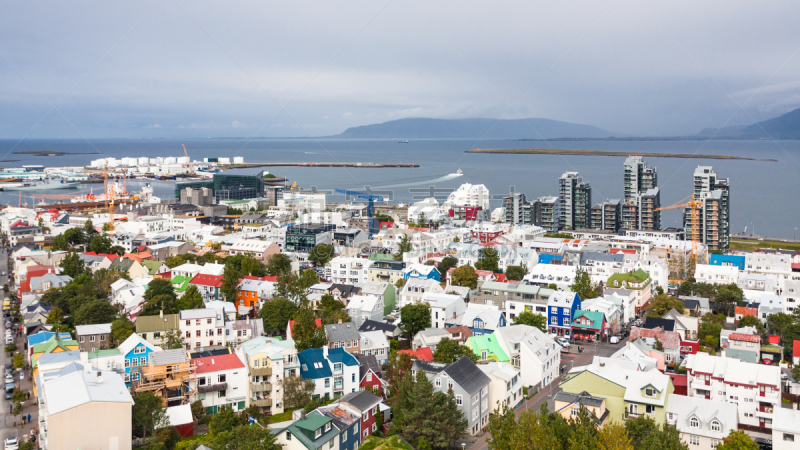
pixel 203 68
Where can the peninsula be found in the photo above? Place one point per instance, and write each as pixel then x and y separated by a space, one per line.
pixel 561 151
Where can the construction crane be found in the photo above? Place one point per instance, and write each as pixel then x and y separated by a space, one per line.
pixel 693 205
pixel 109 196
pixel 191 168
pixel 373 228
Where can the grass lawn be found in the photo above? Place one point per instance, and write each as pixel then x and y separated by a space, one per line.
pixel 389 443
pixel 751 246
pixel 282 417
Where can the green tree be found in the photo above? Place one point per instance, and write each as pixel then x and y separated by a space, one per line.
pixel 224 420
pixel 777 322
pixel 422 220
pixel 450 351
pixel 584 287
pixel 191 299
pixel 658 345
pixel 102 279
pixel 276 313
pixel 100 243
pixel 297 391
pixel 246 437
pixel 646 434
pixel 75 236
pixel 321 254
pixel 709 331
pixel 560 236
pixel 515 273
pixel 415 318
pixel 18 360
pixel 55 317
pixel 279 264
pixel 121 329
pixel 159 296
pixel 60 243
pixel 465 276
pixel 448 262
pixel 198 411
pixel 332 311
pixel 791 333
pixel 72 265
pixel 172 339
pixel 295 287
pixel 728 297
pixel 230 282
pixel 403 247
pixel 252 266
pixel 427 416
pixel 400 365
pixel 662 304
pixel 490 259
pixel 148 414
pixel 88 227
pixel 738 440
pixel 532 319
pixel 305 332
pixel 95 311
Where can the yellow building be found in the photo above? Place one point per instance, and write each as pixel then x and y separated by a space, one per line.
pixel 53 345
pixel 569 405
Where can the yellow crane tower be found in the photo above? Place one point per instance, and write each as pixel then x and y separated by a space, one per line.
pixel 191 168
pixel 109 196
pixel 693 205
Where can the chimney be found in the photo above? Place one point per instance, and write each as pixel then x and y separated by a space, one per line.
pixel 161 313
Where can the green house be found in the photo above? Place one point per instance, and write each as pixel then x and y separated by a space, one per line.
pixel 487 348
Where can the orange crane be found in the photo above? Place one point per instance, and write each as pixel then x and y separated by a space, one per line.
pixel 109 195
pixel 693 205
pixel 191 169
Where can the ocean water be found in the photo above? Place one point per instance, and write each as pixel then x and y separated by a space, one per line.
pixel 764 195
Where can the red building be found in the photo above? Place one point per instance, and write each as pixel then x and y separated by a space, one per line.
pixel 689 347
pixel 367 405
pixel 422 353
pixel 680 382
pixel 468 213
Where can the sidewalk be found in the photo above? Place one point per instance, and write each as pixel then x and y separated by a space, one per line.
pixel 29 406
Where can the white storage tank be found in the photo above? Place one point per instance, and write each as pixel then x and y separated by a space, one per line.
pixel 238 159
pixel 143 160
pixel 183 160
pixel 170 160
pixel 224 160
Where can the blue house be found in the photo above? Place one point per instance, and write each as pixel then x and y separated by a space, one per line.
pixel 335 372
pixel 480 319
pixel 136 352
pixel 727 260
pixel 347 421
pixel 422 271
pixel 560 308
pixel 548 258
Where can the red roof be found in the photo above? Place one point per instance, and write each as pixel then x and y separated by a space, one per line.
pixel 317 322
pixel 796 348
pixel 669 339
pixel 203 279
pixel 774 339
pixel 744 337
pixel 679 380
pixel 627 251
pixel 217 363
pixel 422 353
pixel 384 225
pixel 795 266
pixel 110 256
pixel 501 277
pixel 745 311
pixel 267 278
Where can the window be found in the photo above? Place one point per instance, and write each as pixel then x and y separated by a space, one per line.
pixel 715 426
pixel 694 423
pixel 650 392
pixel 221 393
pixel 574 411
pixel 484 354
pixel 138 350
pixel 330 443
pixel 369 376
pixel 437 382
pixel 81 340
pixel 353 377
pixel 201 381
pixel 127 363
pixel 288 436
pixel 459 402
pixel 327 382
pixel 208 321
pixel 221 378
pixel 788 437
pixel 714 444
pixel 694 440
pixel 650 409
pixel 449 384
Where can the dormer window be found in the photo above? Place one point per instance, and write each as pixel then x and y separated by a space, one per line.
pixel 649 392
pixel 318 433
pixel 716 426
pixel 694 422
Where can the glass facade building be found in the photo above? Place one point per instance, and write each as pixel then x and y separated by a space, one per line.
pixel 229 186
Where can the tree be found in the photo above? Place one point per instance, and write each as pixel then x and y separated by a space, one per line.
pixel 230 282
pixel 403 247
pixel 88 227
pixel 738 440
pixel 465 276
pixel 321 254
pixel 709 331
pixel 72 265
pixel 60 243
pixel 100 243
pixel 449 351
pixel 279 264
pixel 305 332
pixel 295 287
pixel 791 333
pixel 159 296
pixel 297 391
pixel 532 319
pixel 276 313
pixel 95 311
pixel 252 266
pixel 224 420
pixel 415 318
pixel 662 304
pixel 400 365
pixel 198 411
pixel 584 287
pixel 56 318
pixel 427 416
pixel 104 278
pixel 728 297
pixel 777 322
pixel 148 414
pixel 448 262
pixel 18 360
pixel 658 345
pixel 332 311
pixel 421 219
pixel 172 339
pixel 613 437
pixel 646 434
pixel 515 273
pixel 246 437
pixel 121 329
pixel 75 236
pixel 490 259
pixel 191 299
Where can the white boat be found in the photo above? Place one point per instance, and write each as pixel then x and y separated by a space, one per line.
pixel 459 172
pixel 47 184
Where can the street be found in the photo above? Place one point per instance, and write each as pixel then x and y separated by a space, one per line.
pixel 569 360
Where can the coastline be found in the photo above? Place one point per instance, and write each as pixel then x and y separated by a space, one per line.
pixel 558 151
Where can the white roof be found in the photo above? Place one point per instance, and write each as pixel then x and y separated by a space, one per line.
pixel 489 314
pixel 502 370
pixel 373 339
pixel 179 415
pixel 199 313
pixel 213 269
pixel 251 245
pixel 786 420
pixel 542 345
pixel 78 388
pixel 441 300
pixel 627 375
pixel 121 284
pixel 188 267
pixel 100 328
pixel 706 411
pixel 421 268
pixel 362 302
pixel 733 370
pixel 134 340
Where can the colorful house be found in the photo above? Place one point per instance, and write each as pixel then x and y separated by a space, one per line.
pixel 426 354
pixel 422 271
pixel 136 352
pixel 638 282
pixel 208 285
pixel 561 307
pixel 589 325
pixel 487 348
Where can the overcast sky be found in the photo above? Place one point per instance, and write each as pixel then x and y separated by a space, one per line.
pixel 150 68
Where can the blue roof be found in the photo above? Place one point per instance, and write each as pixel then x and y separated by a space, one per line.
pixel 307 358
pixel 339 355
pixel 547 259
pixel 44 336
pixel 720 260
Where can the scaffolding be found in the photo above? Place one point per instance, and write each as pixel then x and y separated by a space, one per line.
pixel 175 384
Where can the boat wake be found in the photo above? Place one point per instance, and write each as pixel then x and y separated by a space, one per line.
pixel 447 177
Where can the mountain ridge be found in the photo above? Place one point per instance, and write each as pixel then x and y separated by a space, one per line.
pixel 785 126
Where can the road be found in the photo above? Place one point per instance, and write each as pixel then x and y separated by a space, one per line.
pixel 546 394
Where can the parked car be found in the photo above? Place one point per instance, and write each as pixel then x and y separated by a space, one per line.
pixel 614 340
pixel 12 443
pixel 9 340
pixel 563 342
pixel 9 378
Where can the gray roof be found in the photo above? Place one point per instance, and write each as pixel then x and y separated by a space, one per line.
pixel 165 357
pixel 583 398
pixel 597 256
pixel 361 400
pixel 372 325
pixel 50 358
pixel 467 375
pixel 100 328
pixel 366 363
pixel 338 332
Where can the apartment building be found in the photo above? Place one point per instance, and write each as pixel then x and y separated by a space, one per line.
pixel 222 380
pixel 574 201
pixel 260 250
pixel 203 327
pixel 93 337
pixel 347 270
pixel 545 213
pixel 708 221
pixel 513 298
pixel 606 216
pixel 268 361
pixel 754 388
pixel 416 288
pixel 702 424
pixel 335 372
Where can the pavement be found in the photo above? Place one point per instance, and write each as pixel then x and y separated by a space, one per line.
pixel 12 425
pixel 546 394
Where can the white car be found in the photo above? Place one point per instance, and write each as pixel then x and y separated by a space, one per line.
pixel 12 443
pixel 563 342
pixel 9 340
pixel 9 378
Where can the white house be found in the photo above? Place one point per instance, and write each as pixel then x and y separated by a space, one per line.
pixel 416 288
pixel 444 307
pixel 348 270
pixel 701 423
pixel 706 273
pixel 203 327
pixel 539 359
pixel 562 275
pixel 505 387
pixel 222 380
pixel 365 307
pixel 375 343
pixel 786 429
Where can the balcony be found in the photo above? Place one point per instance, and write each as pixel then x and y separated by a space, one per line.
pixel 212 387
pixel 261 402
pixel 260 387
pixel 766 408
pixel 260 371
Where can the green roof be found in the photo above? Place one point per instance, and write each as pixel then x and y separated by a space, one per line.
pixel 312 422
pixel 772 348
pixel 156 323
pixel 639 276
pixel 380 257
pixel 181 283
pixel 101 353
pixel 52 344
pixel 488 343
pixel 595 317
pixel 151 266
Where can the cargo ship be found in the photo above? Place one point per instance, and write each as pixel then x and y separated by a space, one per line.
pixel 47 184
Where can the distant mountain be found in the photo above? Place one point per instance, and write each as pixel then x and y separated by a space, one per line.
pixel 475 129
pixel 786 126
